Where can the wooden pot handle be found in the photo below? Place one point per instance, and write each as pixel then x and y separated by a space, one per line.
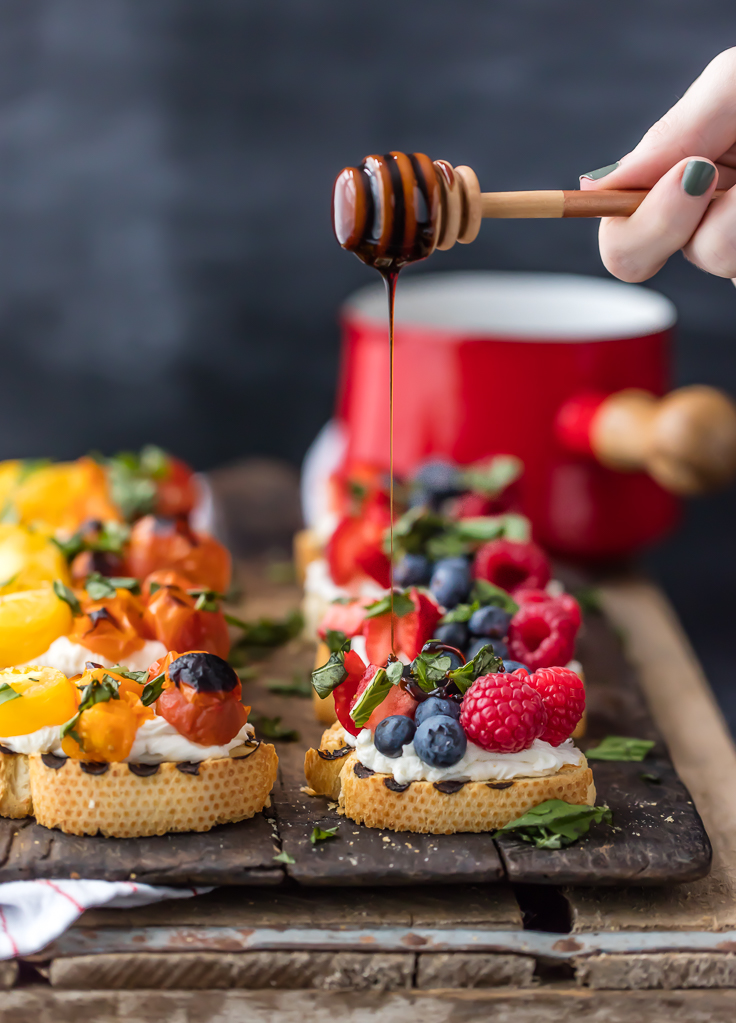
pixel 686 441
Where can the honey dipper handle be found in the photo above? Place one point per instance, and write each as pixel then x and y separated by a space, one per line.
pixel 558 203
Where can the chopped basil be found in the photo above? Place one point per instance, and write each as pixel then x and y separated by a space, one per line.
pixel 7 693
pixel 267 632
pixel 9 581
pixel 486 594
pixel 134 676
pixel 430 669
pixel 490 477
pixel 460 613
pixel 415 529
pixel 330 675
pixel 653 778
pixel 71 547
pixel 271 728
pixel 322 834
pixel 394 671
pixel 64 593
pixel 402 605
pixel 154 587
pixel 336 640
pixel 485 662
pixel 208 600
pixel 373 695
pixel 283 857
pixel 99 587
pixel 152 690
pixel 554 823
pixel 619 747
pixel 589 599
pixel 96 691
pixel 154 462
pixel 28 467
pixel 299 686
pixel 132 491
pixel 124 582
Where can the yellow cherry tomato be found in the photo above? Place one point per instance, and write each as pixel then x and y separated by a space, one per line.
pixel 106 732
pixel 46 697
pixel 9 473
pixel 64 495
pixel 30 621
pixel 28 559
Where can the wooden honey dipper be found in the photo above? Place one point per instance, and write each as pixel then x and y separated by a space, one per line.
pixel 398 208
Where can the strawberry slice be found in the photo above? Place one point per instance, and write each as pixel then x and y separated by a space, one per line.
pixel 411 631
pixel 398 701
pixel 356 547
pixel 348 691
pixel 347 618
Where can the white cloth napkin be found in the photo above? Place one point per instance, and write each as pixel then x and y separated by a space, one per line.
pixel 33 913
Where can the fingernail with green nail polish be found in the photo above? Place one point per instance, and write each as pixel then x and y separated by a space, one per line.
pixel 601 172
pixel 698 177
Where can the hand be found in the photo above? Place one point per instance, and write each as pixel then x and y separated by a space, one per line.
pixel 682 159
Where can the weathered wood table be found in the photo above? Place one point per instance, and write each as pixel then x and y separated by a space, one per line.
pixel 521 952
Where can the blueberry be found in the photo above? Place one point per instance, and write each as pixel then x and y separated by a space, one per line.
pixel 438 477
pixel 450 581
pixel 433 648
pixel 489 621
pixel 497 645
pixel 392 734
pixel 454 634
pixel 440 741
pixel 510 666
pixel 413 570
pixel 433 706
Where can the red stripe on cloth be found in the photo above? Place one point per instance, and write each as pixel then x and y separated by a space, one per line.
pixel 60 891
pixel 4 922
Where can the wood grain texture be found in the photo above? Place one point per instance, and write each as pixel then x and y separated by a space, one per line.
pixel 559 1004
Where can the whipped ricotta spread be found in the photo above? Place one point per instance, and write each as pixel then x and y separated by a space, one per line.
pixel 71 657
pixel 477 765
pixel 155 741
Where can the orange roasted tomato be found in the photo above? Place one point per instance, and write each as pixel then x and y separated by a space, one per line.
pixel 105 730
pixel 172 617
pixel 113 627
pixel 201 697
pixel 158 543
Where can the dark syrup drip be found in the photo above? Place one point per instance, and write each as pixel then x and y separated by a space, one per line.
pixel 372 218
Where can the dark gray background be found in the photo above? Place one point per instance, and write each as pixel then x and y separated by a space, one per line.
pixel 167 269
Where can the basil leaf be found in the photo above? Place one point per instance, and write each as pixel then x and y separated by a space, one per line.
pixel 96 691
pixel 461 613
pixel 490 477
pixel 517 527
pixel 322 834
pixel 336 641
pixel 272 728
pixel 283 857
pixel 554 823
pixel 133 493
pixel 653 778
pixel 486 594
pixel 111 538
pixel 154 462
pixel 589 599
pixel 64 593
pixel 154 587
pixel 618 747
pixel 415 529
pixel 402 605
pixel 374 694
pixel 207 600
pixel 99 587
pixel 448 545
pixel 481 528
pixel 153 689
pixel 430 669
pixel 134 676
pixel 266 632
pixel 330 675
pixel 28 467
pixel 485 662
pixel 9 581
pixel 7 693
pixel 71 547
pixel 299 686
pixel 395 671
pixel 124 582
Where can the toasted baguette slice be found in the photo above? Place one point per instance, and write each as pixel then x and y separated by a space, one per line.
pixel 15 786
pixel 377 801
pixel 119 803
pixel 323 766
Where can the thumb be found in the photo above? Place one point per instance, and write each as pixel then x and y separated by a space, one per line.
pixel 701 122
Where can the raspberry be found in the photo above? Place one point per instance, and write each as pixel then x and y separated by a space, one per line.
pixel 541 635
pixel 563 696
pixel 502 713
pixel 512 565
pixel 565 602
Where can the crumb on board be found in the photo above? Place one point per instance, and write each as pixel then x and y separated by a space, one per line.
pixel 307 791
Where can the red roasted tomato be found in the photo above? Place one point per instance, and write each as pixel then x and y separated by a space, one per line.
pixel 158 543
pixel 172 618
pixel 201 697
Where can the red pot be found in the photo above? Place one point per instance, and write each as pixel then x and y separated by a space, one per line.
pixel 512 363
